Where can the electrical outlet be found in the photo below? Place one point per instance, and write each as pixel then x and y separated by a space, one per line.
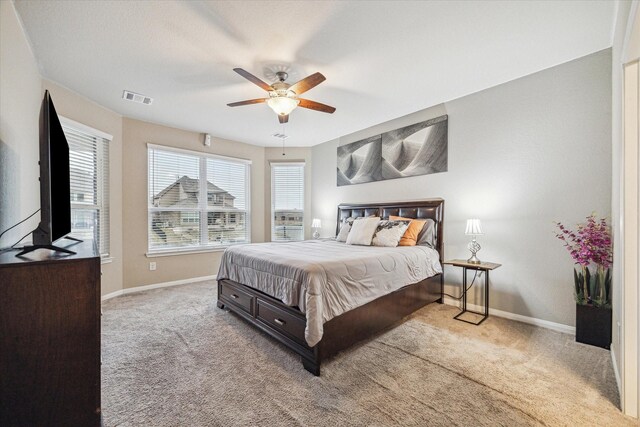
pixel 152 266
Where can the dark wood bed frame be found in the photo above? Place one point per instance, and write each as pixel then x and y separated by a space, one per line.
pixel 287 324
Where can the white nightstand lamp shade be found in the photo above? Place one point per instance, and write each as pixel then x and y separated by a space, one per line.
pixel 316 224
pixel 474 228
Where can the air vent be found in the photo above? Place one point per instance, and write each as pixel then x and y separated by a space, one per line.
pixel 136 97
pixel 280 135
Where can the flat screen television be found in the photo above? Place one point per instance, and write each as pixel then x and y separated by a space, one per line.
pixel 55 184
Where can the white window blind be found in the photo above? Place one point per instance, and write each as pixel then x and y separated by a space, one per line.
pixel 89 176
pixel 287 201
pixel 196 200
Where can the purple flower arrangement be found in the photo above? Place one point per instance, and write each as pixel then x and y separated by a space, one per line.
pixel 590 244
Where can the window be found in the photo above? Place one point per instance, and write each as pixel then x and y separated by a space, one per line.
pixel 189 217
pixel 89 173
pixel 196 200
pixel 287 201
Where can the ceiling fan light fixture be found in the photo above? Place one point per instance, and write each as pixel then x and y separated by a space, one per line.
pixel 282 105
pixel 283 97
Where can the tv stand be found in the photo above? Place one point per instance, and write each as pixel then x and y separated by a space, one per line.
pixel 28 249
pixel 50 339
pixel 31 248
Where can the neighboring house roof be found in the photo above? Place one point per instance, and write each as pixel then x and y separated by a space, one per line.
pixel 191 185
pixel 190 188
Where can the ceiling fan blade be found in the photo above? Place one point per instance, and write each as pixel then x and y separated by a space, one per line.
pixel 307 83
pixel 313 105
pixel 253 79
pixel 283 119
pixel 247 102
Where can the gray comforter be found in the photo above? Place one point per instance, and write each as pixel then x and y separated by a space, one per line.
pixel 326 278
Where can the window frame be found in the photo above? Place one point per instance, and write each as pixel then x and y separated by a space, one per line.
pixel 304 196
pixel 103 195
pixel 203 208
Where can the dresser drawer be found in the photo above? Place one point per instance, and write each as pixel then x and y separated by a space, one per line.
pixel 237 297
pixel 281 320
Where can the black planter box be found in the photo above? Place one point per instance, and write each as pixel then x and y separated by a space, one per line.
pixel 593 325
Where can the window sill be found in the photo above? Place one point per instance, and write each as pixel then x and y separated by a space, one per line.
pixel 174 252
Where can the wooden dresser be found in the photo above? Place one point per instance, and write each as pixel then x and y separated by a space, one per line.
pixel 50 338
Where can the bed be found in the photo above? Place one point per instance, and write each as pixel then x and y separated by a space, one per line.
pixel 319 297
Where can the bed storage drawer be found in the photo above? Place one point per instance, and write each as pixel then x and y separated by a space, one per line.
pixel 236 297
pixel 281 320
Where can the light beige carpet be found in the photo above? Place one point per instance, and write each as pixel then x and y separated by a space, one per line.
pixel 171 357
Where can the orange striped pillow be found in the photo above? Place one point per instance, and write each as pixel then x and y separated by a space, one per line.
pixel 410 237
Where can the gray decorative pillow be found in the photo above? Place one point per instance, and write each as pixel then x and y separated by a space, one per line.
pixel 344 230
pixel 389 233
pixel 362 231
pixel 427 236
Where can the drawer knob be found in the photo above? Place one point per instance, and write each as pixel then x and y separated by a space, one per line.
pixel 234 296
pixel 279 321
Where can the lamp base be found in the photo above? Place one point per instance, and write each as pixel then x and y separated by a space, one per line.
pixel 474 260
pixel 473 247
pixel 316 234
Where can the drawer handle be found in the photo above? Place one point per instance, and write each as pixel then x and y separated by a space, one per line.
pixel 234 296
pixel 279 321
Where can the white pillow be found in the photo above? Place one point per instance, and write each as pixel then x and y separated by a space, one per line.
pixel 362 231
pixel 389 233
pixel 344 230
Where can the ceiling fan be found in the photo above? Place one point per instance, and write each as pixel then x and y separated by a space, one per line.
pixel 283 97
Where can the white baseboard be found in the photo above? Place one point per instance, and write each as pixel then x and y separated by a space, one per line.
pixel 616 371
pixel 558 327
pixel 156 286
pixel 112 295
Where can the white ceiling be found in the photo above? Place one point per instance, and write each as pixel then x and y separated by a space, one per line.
pixel 381 59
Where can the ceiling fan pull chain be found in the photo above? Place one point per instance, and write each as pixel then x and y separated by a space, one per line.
pixel 283 138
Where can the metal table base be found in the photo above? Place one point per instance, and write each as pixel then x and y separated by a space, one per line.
pixel 464 297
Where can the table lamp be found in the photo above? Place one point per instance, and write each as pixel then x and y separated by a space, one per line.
pixel 474 228
pixel 316 226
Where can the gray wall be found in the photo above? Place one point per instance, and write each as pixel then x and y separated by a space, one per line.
pixel 20 97
pixel 521 156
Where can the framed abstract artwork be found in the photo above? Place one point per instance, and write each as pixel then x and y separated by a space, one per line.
pixel 417 149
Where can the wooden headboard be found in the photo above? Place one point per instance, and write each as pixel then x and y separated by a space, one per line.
pixel 419 209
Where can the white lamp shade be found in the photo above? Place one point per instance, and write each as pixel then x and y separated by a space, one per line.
pixel 316 223
pixel 473 227
pixel 282 105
